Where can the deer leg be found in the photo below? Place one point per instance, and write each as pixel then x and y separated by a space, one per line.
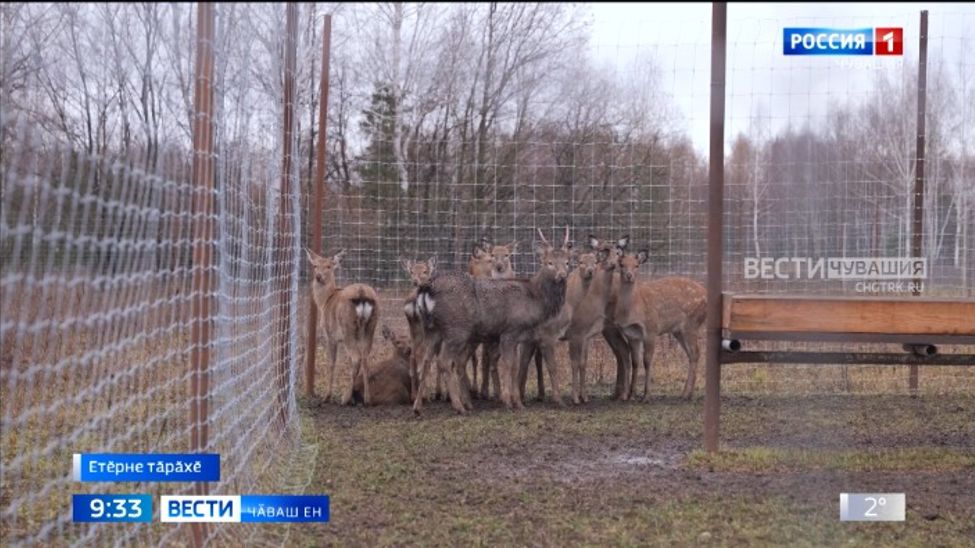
pixel 473 360
pixel 485 372
pixel 493 352
pixel 538 369
pixel 458 359
pixel 690 342
pixel 356 364
pixel 647 358
pixel 524 357
pixel 576 360
pixel 549 355
pixel 583 387
pixel 465 387
pixel 364 370
pixel 619 347
pixel 333 350
pixel 636 361
pixel 508 379
pixel 428 355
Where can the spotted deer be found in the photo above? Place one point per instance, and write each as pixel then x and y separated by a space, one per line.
pixel 389 380
pixel 459 310
pixel 347 316
pixel 648 308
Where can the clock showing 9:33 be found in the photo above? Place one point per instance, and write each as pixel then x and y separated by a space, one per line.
pixel 111 508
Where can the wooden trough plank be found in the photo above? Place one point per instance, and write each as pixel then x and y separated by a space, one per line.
pixel 846 358
pixel 819 336
pixel 877 315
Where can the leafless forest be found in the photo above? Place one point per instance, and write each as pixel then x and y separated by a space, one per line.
pixel 451 122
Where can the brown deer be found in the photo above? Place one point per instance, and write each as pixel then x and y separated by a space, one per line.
pixel 546 335
pixel 648 308
pixel 596 275
pixel 389 380
pixel 459 310
pixel 347 316
pixel 489 261
pixel 420 273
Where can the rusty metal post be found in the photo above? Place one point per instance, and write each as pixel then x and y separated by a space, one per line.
pixel 315 222
pixel 917 234
pixel 712 388
pixel 203 263
pixel 285 229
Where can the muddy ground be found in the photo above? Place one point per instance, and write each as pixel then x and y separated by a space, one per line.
pixel 612 473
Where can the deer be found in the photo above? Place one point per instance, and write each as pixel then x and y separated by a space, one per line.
pixel 541 343
pixel 347 317
pixel 420 273
pixel 390 379
pixel 648 308
pixel 596 276
pixel 459 310
pixel 490 261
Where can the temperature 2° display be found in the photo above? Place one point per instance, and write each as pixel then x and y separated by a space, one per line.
pixel 872 506
pixel 111 508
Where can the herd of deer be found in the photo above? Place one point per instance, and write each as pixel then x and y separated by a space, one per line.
pixel 574 296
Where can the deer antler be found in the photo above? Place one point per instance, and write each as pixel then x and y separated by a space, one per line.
pixel 542 236
pixel 565 241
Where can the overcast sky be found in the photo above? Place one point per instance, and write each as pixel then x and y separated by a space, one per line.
pixel 762 82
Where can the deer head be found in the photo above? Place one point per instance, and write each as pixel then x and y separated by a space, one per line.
pixel 554 262
pixel 323 268
pixel 420 272
pixel 629 265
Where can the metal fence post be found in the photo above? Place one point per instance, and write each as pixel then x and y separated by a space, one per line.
pixel 917 235
pixel 203 255
pixel 315 222
pixel 712 389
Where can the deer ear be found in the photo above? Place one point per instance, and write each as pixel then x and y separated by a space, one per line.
pixel 312 256
pixel 593 242
pixel 513 246
pixel 478 251
pixel 337 258
pixel 540 247
pixel 642 256
pixel 623 242
pixel 407 264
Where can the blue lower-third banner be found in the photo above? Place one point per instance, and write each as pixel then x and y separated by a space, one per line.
pixel 243 508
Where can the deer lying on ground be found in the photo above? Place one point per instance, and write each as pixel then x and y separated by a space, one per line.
pixel 648 308
pixel 460 310
pixel 347 316
pixel 389 380
pixel 489 261
pixel 420 273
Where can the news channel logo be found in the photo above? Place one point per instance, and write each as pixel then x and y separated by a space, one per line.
pixel 870 41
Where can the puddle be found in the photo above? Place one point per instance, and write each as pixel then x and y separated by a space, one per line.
pixel 640 461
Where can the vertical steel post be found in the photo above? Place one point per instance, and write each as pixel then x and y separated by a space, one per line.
pixel 917 234
pixel 203 256
pixel 285 230
pixel 712 389
pixel 315 222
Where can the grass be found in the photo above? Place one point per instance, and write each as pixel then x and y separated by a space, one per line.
pixel 630 474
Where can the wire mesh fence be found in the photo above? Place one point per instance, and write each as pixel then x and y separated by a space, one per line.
pixel 102 249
